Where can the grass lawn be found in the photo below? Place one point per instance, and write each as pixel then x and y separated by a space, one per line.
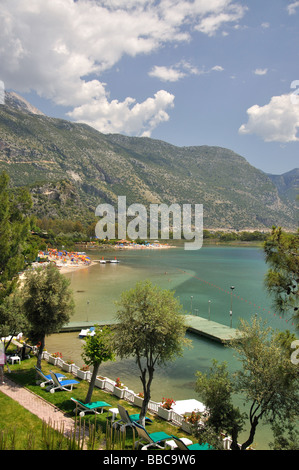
pixel 24 374
pixel 16 425
pixel 22 430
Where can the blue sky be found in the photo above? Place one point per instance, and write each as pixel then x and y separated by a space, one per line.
pixel 189 72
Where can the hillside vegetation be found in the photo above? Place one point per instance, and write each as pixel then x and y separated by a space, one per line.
pixel 71 168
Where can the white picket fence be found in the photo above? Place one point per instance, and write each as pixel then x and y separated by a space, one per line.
pixel 129 395
pixel 108 385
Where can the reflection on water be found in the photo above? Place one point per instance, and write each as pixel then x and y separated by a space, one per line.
pixel 196 277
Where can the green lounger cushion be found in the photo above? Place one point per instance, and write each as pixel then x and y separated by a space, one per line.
pixel 136 418
pixel 158 436
pixel 96 404
pixel 92 405
pixel 200 447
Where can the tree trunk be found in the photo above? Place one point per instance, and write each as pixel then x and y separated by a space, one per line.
pixel 249 441
pixel 92 382
pixel 6 345
pixel 234 444
pixel 147 393
pixel 40 353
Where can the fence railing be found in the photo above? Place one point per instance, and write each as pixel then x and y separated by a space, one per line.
pixel 109 385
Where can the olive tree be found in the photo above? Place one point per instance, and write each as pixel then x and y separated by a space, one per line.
pixel 48 304
pixel 97 349
pixel 267 381
pixel 151 328
pixel 12 318
pixel 282 279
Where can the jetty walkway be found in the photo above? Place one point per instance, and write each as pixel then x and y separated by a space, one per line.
pixel 195 324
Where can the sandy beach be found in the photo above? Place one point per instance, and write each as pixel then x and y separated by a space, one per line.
pixel 65 262
pixel 68 268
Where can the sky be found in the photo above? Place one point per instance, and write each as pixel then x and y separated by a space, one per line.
pixel 189 72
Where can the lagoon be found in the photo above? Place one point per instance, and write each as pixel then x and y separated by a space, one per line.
pixel 197 277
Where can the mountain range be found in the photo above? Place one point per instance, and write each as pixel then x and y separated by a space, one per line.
pixel 70 168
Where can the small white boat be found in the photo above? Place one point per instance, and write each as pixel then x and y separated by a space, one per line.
pixel 88 332
pixel 103 261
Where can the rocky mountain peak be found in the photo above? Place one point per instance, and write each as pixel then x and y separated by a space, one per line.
pixel 16 101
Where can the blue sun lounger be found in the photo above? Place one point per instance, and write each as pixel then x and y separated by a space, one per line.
pixel 66 385
pixel 92 407
pixel 47 379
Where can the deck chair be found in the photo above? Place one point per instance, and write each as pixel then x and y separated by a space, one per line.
pixel 92 407
pixel 26 349
pixel 126 419
pixel 66 385
pixel 182 446
pixel 46 379
pixel 155 439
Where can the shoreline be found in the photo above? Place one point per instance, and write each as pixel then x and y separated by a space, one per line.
pixel 107 247
pixel 71 268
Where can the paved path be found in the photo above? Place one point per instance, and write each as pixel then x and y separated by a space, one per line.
pixel 36 405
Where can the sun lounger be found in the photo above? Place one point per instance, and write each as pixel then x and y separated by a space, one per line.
pixel 182 446
pixel 66 385
pixel 92 407
pixel 155 439
pixel 126 419
pixel 47 379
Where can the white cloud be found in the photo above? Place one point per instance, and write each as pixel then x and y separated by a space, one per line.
pixel 166 74
pixel 211 23
pixel 179 71
pixel 260 71
pixel 127 116
pixel 217 68
pixel 60 48
pixel 292 8
pixel 277 121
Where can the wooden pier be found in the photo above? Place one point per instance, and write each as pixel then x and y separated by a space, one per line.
pixel 197 325
pixel 210 329
pixel 84 325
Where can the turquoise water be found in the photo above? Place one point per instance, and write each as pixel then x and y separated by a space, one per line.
pixel 206 274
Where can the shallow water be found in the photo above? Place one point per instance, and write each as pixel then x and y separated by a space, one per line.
pixel 206 274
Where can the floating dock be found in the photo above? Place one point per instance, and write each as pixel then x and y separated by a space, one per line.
pixel 210 329
pixel 83 325
pixel 105 261
pixel 197 325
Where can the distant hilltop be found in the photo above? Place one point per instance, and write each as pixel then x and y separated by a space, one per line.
pixel 16 101
pixel 71 168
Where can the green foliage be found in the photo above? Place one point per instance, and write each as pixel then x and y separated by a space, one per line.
pixel 267 381
pixel 15 249
pixel 242 236
pixel 97 349
pixel 282 278
pixel 12 318
pixel 150 324
pixel 150 328
pixel 116 439
pixel 48 303
pixel 215 389
pixel 71 168
pixel 285 437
